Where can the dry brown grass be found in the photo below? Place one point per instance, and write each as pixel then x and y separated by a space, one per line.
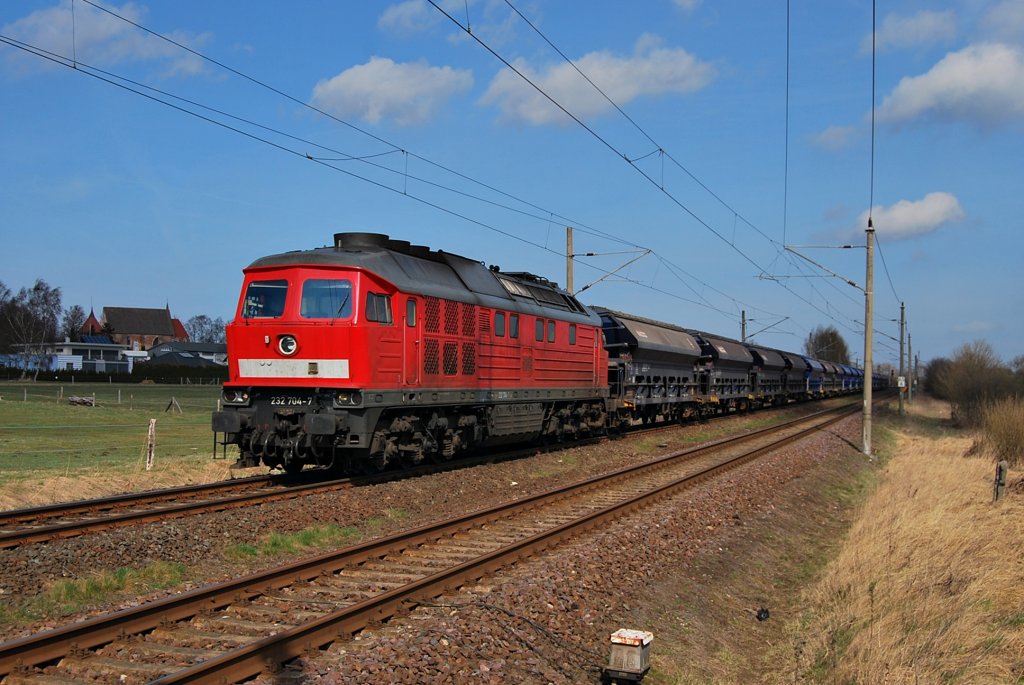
pixel 1004 430
pixel 31 492
pixel 929 586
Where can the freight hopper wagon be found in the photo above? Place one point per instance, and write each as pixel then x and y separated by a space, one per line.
pixel 767 377
pixel 652 370
pixel 373 351
pixel 725 376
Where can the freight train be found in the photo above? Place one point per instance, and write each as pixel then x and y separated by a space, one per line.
pixel 373 352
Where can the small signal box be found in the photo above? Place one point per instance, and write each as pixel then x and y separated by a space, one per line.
pixel 630 658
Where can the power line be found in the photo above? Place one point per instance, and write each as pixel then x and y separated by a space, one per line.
pixel 576 224
pixel 121 82
pixel 885 267
pixel 619 153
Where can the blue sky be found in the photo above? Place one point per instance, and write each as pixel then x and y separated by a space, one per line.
pixel 354 116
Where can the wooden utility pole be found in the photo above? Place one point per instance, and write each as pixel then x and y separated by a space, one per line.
pixel 743 325
pixel 869 314
pixel 902 378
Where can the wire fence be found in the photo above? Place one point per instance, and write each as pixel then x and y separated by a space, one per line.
pixel 52 425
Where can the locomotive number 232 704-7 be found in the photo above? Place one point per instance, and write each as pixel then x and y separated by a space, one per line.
pixel 285 401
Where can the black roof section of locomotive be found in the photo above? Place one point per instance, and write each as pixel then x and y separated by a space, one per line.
pixel 417 269
pixel 648 336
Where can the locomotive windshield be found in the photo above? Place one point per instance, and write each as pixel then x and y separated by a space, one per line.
pixel 324 298
pixel 265 299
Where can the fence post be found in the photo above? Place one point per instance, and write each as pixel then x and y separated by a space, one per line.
pixel 151 445
pixel 999 486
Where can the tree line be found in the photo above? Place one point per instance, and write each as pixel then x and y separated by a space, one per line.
pixel 34 317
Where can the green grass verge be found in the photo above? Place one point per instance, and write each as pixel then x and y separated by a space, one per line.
pixel 69 596
pixel 42 434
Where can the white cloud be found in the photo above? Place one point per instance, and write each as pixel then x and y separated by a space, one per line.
pixel 651 70
pixel 408 93
pixel 982 84
pixel 835 137
pixel 100 39
pixel 907 218
pixel 922 29
pixel 409 17
pixel 687 5
pixel 1005 21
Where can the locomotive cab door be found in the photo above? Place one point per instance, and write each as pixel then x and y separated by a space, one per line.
pixel 411 346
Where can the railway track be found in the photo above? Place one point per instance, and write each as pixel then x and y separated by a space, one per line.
pixel 233 631
pixel 65 520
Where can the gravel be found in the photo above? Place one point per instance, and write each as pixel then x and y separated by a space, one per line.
pixel 546 620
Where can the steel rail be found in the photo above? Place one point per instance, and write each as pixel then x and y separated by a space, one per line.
pixel 88 506
pixel 56 643
pixel 252 659
pixel 104 511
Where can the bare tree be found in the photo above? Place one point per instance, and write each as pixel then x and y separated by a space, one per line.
pixel 972 379
pixel 74 319
pixel 202 328
pixel 827 344
pixel 30 319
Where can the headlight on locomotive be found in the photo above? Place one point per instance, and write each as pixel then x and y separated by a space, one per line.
pixel 237 398
pixel 348 398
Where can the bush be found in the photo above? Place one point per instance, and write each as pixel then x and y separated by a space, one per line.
pixel 1004 430
pixel 972 380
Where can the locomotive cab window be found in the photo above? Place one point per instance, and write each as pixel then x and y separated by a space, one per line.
pixel 265 299
pixel 410 313
pixel 513 325
pixel 499 324
pixel 572 334
pixel 378 308
pixel 324 298
pixel 539 329
pixel 551 331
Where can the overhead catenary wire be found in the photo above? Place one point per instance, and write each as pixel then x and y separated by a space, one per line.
pixel 470 179
pixel 576 224
pixel 664 153
pixel 625 157
pixel 112 80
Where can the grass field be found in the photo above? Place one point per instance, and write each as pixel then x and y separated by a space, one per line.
pixel 43 435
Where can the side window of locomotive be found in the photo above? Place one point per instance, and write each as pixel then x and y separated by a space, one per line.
pixel 513 325
pixel 265 299
pixel 499 324
pixel 378 308
pixel 326 298
pixel 410 313
pixel 539 328
pixel 572 334
pixel 551 331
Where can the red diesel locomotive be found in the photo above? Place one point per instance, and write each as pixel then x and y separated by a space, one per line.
pixel 373 351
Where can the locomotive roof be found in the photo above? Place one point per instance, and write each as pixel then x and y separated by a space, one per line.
pixel 417 269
